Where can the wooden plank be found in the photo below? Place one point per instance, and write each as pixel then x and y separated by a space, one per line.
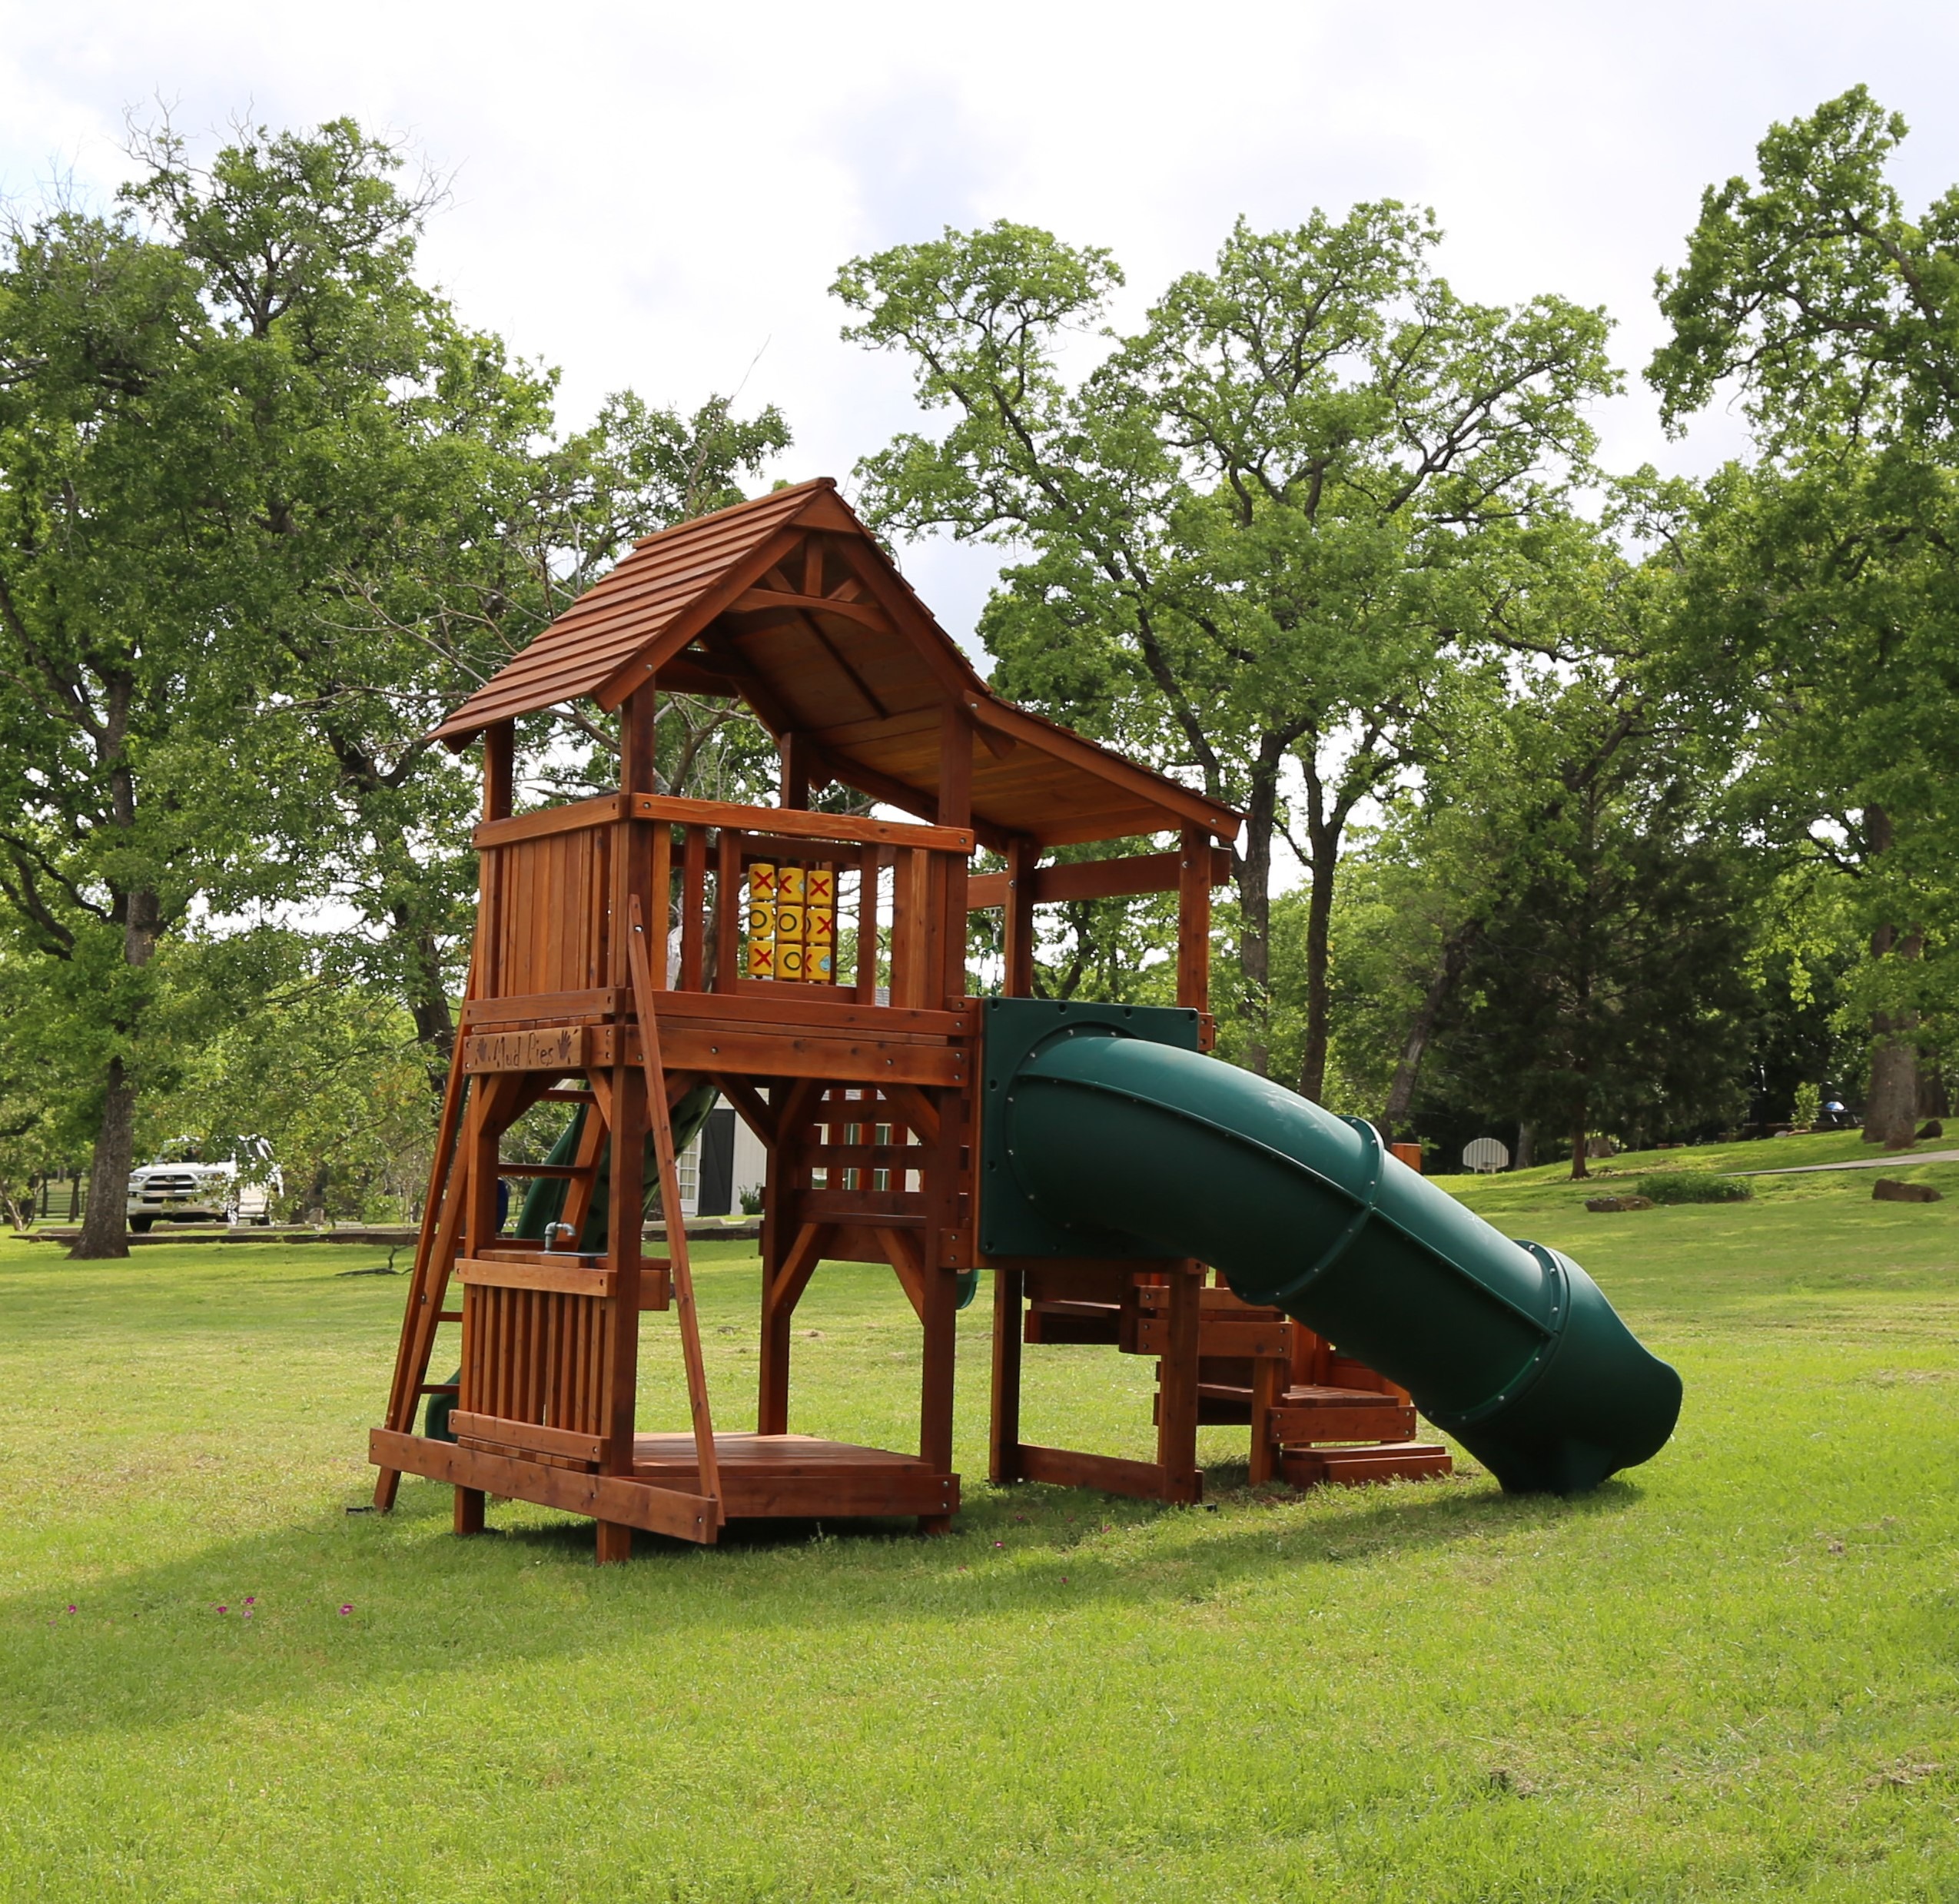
pixel 693 909
pixel 1299 1426
pixel 780 1055
pixel 595 1002
pixel 561 1049
pixel 903 1254
pixel 1072 1323
pixel 1068 1468
pixel 782 1287
pixel 852 827
pixel 845 1496
pixel 1360 1468
pixel 1004 1417
pixel 1219 1337
pixel 1017 895
pixel 1061 1281
pixel 417 1329
pixel 615 1497
pixel 764 600
pixel 753 1108
pixel 527 1437
pixel 916 1109
pixel 660 912
pixel 1124 878
pixel 500 752
pixel 501 1273
pixel 799 1008
pixel 1176 1385
pixel 669 1181
pixel 899 1209
pixel 730 908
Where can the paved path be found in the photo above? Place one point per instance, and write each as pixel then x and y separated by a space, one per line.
pixel 1857 1163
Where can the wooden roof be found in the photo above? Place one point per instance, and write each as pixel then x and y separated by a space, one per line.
pixel 789 603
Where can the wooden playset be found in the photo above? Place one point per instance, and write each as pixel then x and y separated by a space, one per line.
pixel 812 967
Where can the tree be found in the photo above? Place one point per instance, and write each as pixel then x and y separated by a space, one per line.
pixel 265 507
pixel 1824 588
pixel 1607 985
pixel 430 521
pixel 133 652
pixel 1263 533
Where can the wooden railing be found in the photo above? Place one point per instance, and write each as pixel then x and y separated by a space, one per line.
pixel 554 884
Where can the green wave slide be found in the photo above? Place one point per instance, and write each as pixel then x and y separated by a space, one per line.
pixel 1105 1132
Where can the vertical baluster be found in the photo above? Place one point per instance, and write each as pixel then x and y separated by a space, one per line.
pixel 728 910
pixel 693 909
pixel 660 922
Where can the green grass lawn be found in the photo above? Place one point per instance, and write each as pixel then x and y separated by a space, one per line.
pixel 1733 1672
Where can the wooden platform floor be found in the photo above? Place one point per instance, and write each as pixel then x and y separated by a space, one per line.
pixel 785 1477
pixel 799 1475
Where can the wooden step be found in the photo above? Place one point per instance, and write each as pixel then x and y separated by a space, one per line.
pixel 1359 1467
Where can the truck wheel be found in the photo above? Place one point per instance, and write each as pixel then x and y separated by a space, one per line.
pixel 141 1225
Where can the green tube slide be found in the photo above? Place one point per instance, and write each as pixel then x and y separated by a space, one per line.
pixel 1101 1136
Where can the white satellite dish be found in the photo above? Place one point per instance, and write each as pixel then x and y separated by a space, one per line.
pixel 1487 1154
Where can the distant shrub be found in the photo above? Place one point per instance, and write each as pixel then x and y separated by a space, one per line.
pixel 751 1201
pixel 1694 1186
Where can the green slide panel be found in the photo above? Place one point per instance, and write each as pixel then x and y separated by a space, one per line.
pixel 1101 1128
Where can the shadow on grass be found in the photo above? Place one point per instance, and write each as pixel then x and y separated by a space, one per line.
pixel 346 1602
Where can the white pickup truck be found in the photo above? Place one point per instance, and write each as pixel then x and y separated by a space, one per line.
pixel 181 1187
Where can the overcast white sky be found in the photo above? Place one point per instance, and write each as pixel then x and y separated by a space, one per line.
pixel 653 195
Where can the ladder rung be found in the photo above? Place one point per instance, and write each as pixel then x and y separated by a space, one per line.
pixel 558 1094
pixel 565 1170
pixel 439 1388
pixel 448 1315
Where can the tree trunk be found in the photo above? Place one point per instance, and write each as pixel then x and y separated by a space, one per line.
pixel 1890 1109
pixel 1254 880
pixel 1578 1169
pixel 428 1000
pixel 104 1226
pixel 1408 1071
pixel 1526 1145
pixel 1319 936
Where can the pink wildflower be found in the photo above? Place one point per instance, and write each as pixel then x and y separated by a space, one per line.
pixel 346 1606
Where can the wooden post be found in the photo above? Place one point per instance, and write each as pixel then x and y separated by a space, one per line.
pixel 1018 938
pixel 693 909
pixel 1176 1399
pixel 1193 920
pixel 469 1511
pixel 870 874
pixel 935 1379
pixel 798 770
pixel 499 748
pixel 788 1256
pixel 955 808
pixel 1269 1374
pixel 638 742
pixel 1003 1462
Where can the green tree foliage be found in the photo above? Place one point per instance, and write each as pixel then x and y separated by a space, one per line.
pixel 1266 533
pixel 266 507
pixel 1607 985
pixel 1823 587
